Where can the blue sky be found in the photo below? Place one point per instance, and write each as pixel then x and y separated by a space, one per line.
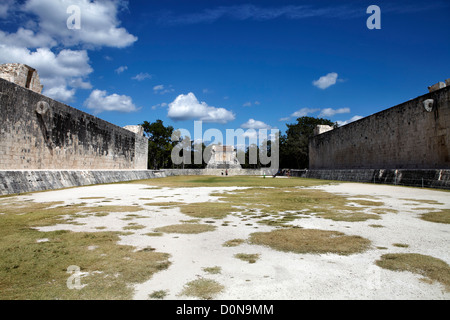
pixel 232 64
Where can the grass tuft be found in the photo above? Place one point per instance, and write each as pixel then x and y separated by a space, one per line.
pixel 310 241
pixel 202 288
pixel 188 228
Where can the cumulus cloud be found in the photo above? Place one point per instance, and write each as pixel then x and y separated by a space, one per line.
pixel 343 123
pixel 329 112
pixel 99 23
pixel 326 81
pixel 100 101
pixel 303 112
pixel 186 107
pixel 255 124
pixel 44 31
pixel 56 71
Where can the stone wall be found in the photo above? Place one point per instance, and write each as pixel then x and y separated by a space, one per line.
pixel 412 135
pixel 37 132
pixel 23 181
pixel 422 178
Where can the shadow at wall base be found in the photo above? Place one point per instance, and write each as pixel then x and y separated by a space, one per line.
pixel 23 181
pixel 432 178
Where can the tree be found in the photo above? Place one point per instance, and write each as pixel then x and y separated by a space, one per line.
pixel 160 144
pixel 294 153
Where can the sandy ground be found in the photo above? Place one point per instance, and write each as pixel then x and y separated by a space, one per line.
pixel 276 275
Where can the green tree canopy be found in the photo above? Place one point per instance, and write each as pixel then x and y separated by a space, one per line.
pixel 160 144
pixel 294 152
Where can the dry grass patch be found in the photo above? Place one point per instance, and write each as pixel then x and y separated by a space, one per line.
pixel 188 228
pixel 168 204
pixel 271 201
pixel 153 234
pixel 249 257
pixel 442 216
pixel 213 270
pixel 160 294
pixel 133 226
pixel 230 181
pixel 233 242
pixel 91 198
pixel 310 241
pixel 432 268
pixel 423 201
pixel 38 270
pixel 368 203
pixel 202 288
pixel 383 210
pixel 217 210
pixel 400 245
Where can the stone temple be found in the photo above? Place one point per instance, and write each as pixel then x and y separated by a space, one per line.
pixel 223 157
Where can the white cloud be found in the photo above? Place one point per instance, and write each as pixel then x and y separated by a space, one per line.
pixel 121 69
pixel 45 31
pixel 99 101
pixel 79 83
pixel 99 23
pixel 61 93
pixel 329 112
pixel 56 71
pixel 249 104
pixel 161 89
pixel 303 112
pixel 27 38
pixel 254 124
pixel 142 76
pixel 326 81
pixel 354 118
pixel 186 107
pixel 284 119
pixel 159 105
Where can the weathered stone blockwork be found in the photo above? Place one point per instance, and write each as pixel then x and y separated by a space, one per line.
pixel 406 136
pixel 37 132
pixel 21 75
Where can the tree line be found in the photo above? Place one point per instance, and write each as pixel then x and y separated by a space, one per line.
pixel 293 146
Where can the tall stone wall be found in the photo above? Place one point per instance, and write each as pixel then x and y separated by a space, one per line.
pixel 37 132
pixel 412 135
